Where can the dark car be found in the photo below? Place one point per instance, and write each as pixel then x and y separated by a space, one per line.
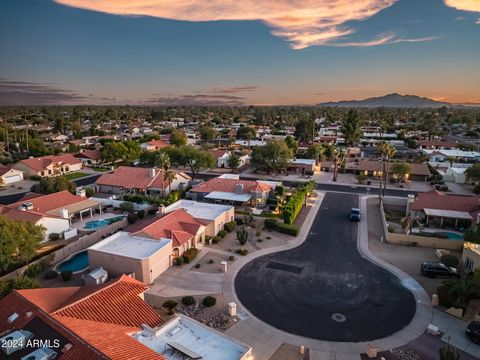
pixel 473 331
pixel 432 269
pixel 355 214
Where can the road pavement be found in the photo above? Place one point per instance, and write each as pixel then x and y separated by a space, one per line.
pixel 324 289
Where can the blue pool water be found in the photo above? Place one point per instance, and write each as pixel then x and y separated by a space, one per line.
pixel 454 236
pixel 76 263
pixel 96 224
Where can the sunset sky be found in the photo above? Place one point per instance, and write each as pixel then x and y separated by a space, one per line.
pixel 234 52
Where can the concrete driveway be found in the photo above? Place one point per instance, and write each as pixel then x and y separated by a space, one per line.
pixel 324 289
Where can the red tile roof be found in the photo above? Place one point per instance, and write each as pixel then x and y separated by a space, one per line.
pixel 4 169
pixel 135 178
pixel 45 203
pixel 96 320
pixel 90 154
pixel 178 225
pixel 438 200
pixel 229 185
pixel 159 144
pixel 41 163
pixel 217 153
pixel 19 215
pixel 375 165
pixel 437 144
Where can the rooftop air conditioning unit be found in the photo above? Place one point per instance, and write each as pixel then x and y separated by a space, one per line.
pixel 27 206
pixel 41 354
pixel 15 341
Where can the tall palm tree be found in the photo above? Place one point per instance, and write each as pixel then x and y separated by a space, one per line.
pixel 169 176
pixel 381 147
pixel 162 160
pixel 389 153
pixel 338 157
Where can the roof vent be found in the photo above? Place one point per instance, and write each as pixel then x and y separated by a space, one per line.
pixel 28 314
pixel 152 172
pixel 12 318
pixel 27 206
pixel 239 188
pixel 66 347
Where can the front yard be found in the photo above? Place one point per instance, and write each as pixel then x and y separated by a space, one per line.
pixel 75 175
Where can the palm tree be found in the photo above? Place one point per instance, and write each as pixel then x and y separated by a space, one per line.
pixel 462 289
pixel 169 176
pixel 389 152
pixel 381 147
pixel 162 160
pixel 338 157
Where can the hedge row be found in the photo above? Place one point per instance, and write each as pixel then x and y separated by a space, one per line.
pixel 272 224
pixel 294 205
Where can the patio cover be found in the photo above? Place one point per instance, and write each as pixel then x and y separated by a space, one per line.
pixel 76 207
pixel 448 214
pixel 228 196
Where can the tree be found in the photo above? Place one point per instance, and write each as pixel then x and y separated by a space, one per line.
pixel 338 158
pixel 246 133
pixel 178 138
pixel 274 156
pixel 473 172
pixel 18 241
pixel 208 133
pixel 472 235
pixel 169 176
pixel 304 129
pixel 462 290
pixel 125 151
pixel 388 152
pixel 401 169
pixel 187 155
pixel 242 235
pixel 52 185
pixel 291 143
pixel 449 352
pixel 170 306
pixel 352 127
pixel 162 160
pixel 233 161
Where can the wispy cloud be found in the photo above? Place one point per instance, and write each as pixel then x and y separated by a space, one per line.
pixel 477 22
pixel 30 93
pixel 195 100
pixel 302 23
pixel 385 39
pixel 231 90
pixel 465 5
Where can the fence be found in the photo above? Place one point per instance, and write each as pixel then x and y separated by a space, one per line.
pixel 76 246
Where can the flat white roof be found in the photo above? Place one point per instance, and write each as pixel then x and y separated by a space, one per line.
pixel 194 336
pixel 121 243
pixel 199 210
pixel 454 153
pixel 230 176
pixel 448 214
pixel 220 195
pixel 304 161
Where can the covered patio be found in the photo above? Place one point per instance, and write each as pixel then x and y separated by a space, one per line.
pixel 228 198
pixel 448 218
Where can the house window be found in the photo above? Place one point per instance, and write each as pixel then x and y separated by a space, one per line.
pixel 468 264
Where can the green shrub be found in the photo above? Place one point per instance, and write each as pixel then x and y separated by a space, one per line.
pixel 188 300
pixel 259 240
pixel 294 205
pixel 270 224
pixel 222 233
pixel 170 306
pixel 239 221
pixel 216 239
pixel 35 177
pixel 210 261
pixel 288 229
pixel 189 255
pixel 66 275
pixel 449 260
pixel 230 226
pixel 476 189
pixel 207 239
pixel 197 266
pixel 141 214
pixel 126 206
pixel 50 274
pixel 53 236
pixel 231 258
pixel 242 235
pixel 180 261
pixel 32 271
pixel 209 301
pixel 242 252
pixel 268 238
pixel 132 218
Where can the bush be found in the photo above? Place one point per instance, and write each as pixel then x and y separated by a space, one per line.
pixel 259 240
pixel 189 255
pixel 179 261
pixel 66 275
pixel 210 261
pixel 170 305
pixel 32 271
pixel 294 205
pixel 449 260
pixel 53 236
pixel 50 274
pixel 229 226
pixel 141 214
pixel 270 224
pixel 239 221
pixel 197 266
pixel 151 211
pixel 242 235
pixel 209 301
pixel 288 229
pixel 231 258
pixel 476 189
pixel 132 218
pixel 188 300
pixel 242 252
pixel 222 233
pixel 35 177
pixel 216 239
pixel 126 206
pixel 207 239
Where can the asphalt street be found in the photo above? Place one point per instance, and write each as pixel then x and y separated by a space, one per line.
pixel 324 289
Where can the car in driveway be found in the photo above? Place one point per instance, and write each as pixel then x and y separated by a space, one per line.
pixel 433 269
pixel 355 214
pixel 473 331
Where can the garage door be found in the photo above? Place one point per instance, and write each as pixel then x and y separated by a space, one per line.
pixel 12 178
pixel 159 267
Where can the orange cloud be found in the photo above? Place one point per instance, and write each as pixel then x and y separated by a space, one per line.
pixel 302 22
pixel 466 5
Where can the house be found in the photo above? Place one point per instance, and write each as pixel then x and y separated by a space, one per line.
pixel 120 253
pixel 436 145
pixel 154 145
pixel 50 165
pixel 135 180
pixel 9 175
pixel 419 171
pixel 212 216
pixel 55 137
pixel 302 166
pixel 92 322
pixel 457 155
pixel 222 157
pixel 231 191
pixel 179 226
pixel 438 209
pixel 471 256
pixel 55 212
pixel 90 157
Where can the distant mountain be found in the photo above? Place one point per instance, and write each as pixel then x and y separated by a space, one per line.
pixel 391 100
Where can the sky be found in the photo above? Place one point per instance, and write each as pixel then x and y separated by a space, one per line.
pixel 237 52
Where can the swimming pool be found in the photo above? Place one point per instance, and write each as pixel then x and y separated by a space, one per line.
pixel 454 236
pixel 97 224
pixel 76 263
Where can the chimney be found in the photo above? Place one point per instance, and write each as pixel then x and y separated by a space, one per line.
pixel 161 211
pixel 410 201
pixel 81 192
pixel 64 213
pixel 152 172
pixel 239 188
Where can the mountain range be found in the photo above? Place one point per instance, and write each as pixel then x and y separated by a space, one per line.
pixel 390 100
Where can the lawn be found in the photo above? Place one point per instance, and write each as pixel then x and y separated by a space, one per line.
pixel 75 175
pixel 100 169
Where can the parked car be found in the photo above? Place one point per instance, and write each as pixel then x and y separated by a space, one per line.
pixel 432 269
pixel 473 331
pixel 355 214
